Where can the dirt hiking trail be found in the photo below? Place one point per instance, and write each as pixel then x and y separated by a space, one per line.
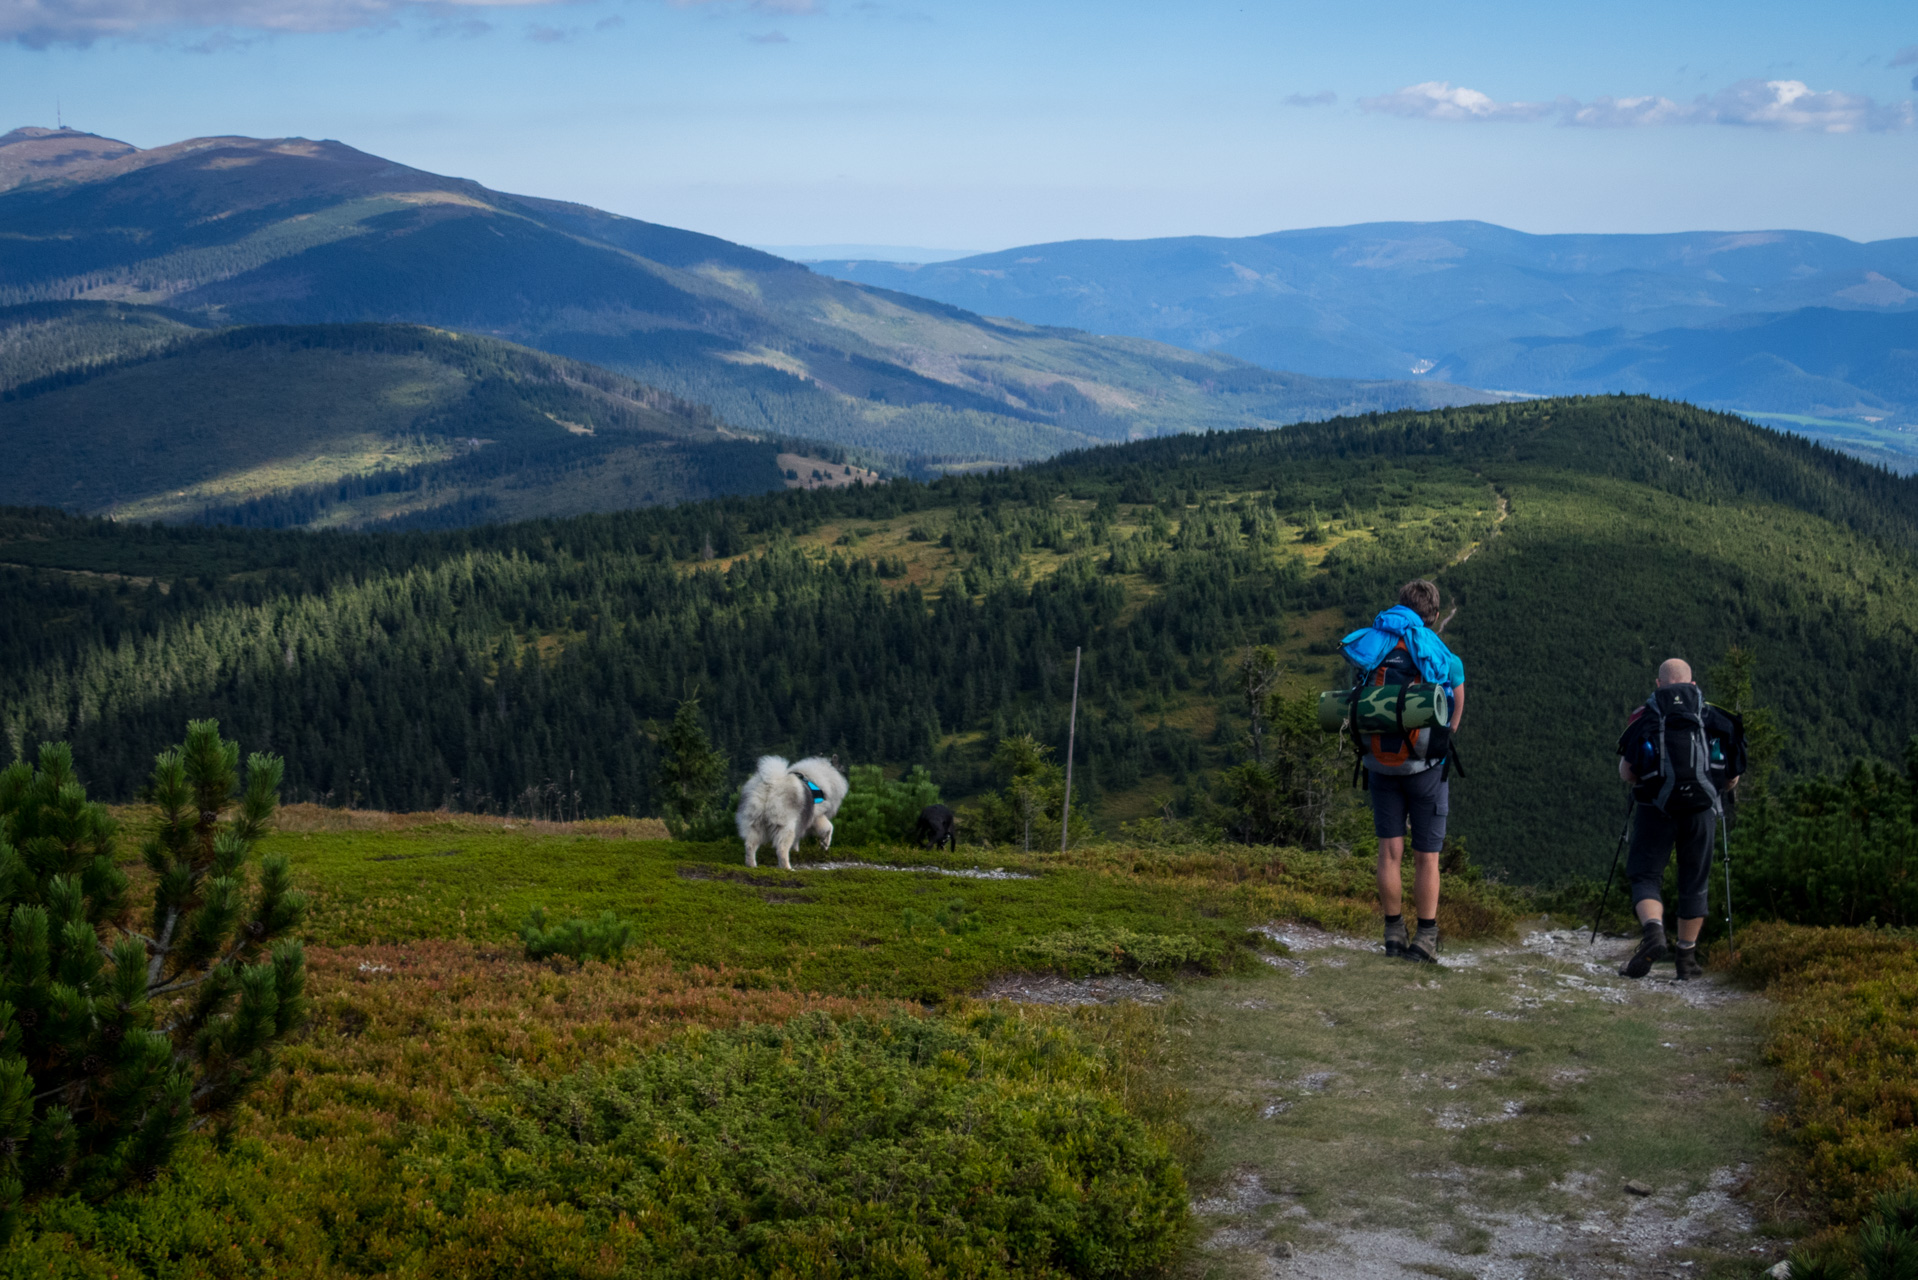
pixel 1518 1111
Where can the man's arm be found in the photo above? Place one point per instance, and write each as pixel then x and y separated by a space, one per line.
pixel 1627 742
pixel 1458 707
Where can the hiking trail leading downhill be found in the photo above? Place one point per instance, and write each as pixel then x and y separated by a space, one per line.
pixel 1504 509
pixel 1519 1110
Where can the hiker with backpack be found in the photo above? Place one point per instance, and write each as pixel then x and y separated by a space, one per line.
pixel 1403 707
pixel 1682 756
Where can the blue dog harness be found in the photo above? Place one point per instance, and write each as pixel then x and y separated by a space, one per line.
pixel 812 788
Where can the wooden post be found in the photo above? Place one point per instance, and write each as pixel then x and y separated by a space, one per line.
pixel 1072 730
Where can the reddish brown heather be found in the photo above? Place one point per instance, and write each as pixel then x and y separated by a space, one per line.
pixel 399 1031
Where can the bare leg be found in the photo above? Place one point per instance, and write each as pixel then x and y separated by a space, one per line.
pixel 1688 930
pixel 1391 882
pixel 1425 884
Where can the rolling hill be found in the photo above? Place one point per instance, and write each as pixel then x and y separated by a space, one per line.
pixel 292 232
pixel 1581 541
pixel 149 418
pixel 1745 320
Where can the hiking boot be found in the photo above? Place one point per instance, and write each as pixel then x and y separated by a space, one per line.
pixel 1686 958
pixel 1423 948
pixel 1395 938
pixel 1651 949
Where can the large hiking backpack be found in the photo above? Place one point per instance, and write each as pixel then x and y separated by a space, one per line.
pixel 1675 763
pixel 1398 748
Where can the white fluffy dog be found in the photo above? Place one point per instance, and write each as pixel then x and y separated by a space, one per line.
pixel 782 804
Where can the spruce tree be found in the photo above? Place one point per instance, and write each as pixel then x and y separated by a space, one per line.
pixel 115 1043
pixel 692 776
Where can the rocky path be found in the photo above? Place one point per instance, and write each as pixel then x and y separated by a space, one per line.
pixel 1520 1111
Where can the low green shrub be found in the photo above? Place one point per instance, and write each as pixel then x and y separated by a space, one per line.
pixel 1099 949
pixel 895 1147
pixel 879 810
pixel 1884 1247
pixel 1833 850
pixel 579 940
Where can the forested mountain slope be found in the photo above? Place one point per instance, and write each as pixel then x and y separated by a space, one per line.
pixel 288 231
pixel 915 623
pixel 146 417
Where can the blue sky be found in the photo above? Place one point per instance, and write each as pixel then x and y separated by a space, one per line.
pixel 985 124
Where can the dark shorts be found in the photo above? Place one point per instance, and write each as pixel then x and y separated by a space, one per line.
pixel 1654 837
pixel 1423 798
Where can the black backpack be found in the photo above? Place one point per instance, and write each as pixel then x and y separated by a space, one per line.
pixel 1675 758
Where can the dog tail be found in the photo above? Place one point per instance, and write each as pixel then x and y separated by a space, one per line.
pixel 758 792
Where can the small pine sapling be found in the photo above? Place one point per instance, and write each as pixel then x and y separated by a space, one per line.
pixel 114 1044
pixel 578 939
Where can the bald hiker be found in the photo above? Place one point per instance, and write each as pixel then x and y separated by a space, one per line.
pixel 1682 757
pixel 1405 704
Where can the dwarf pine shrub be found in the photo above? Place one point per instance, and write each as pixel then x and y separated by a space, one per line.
pixel 881 810
pixel 578 939
pixel 1100 949
pixel 117 1037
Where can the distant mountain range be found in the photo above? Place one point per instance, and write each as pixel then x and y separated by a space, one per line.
pixel 1810 331
pixel 222 232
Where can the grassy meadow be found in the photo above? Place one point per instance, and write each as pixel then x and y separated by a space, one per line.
pixel 366 1151
pixel 793 1073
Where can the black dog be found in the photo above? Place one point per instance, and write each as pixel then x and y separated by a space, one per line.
pixel 937 826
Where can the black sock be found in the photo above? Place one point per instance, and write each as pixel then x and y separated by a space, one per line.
pixel 1425 924
pixel 1398 919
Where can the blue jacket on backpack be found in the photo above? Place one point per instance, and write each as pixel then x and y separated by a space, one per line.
pixel 1366 648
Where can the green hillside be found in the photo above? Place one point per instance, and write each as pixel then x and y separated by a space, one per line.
pixel 1582 541
pixel 344 425
pixel 287 231
pixel 46 340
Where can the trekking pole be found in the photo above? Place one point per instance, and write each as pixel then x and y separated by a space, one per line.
pixel 1616 854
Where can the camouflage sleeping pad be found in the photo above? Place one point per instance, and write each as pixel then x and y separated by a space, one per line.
pixel 1379 709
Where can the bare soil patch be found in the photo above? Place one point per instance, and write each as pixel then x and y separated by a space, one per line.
pixel 1050 988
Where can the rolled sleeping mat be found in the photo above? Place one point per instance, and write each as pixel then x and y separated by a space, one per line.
pixel 1386 708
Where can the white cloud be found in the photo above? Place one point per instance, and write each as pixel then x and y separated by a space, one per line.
pixel 39 24
pixel 1439 100
pixel 1792 104
pixel 1786 105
